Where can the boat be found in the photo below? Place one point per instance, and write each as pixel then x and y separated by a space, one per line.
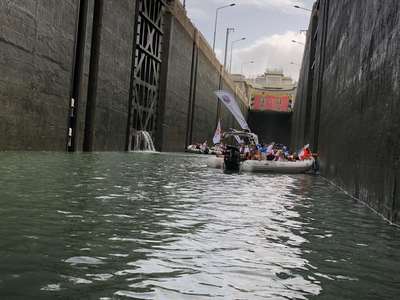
pixel 195 151
pixel 266 166
pixel 286 167
pixel 210 151
pixel 231 161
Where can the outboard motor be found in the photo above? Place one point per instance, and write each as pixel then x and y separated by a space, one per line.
pixel 231 159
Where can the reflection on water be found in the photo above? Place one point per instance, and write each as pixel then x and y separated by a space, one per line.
pixel 158 226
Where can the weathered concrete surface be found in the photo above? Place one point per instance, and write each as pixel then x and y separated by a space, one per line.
pixel 353 106
pixel 114 74
pixel 206 104
pixel 177 90
pixel 36 48
pixel 192 77
pixel 271 126
pixel 38 42
pixel 83 94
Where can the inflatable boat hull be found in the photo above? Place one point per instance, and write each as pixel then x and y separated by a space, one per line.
pixel 265 166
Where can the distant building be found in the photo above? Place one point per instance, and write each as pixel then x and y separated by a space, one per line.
pixel 273 91
pixel 243 87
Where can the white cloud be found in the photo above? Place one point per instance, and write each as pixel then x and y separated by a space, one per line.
pixel 272 3
pixel 197 13
pixel 285 5
pixel 220 54
pixel 276 51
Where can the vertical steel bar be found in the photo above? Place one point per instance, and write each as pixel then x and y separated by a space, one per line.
pixel 90 117
pixel 77 74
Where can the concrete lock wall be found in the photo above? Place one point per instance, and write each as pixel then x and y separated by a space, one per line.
pixel 36 45
pixel 351 102
pixel 38 42
pixel 114 74
pixel 40 45
pixel 189 106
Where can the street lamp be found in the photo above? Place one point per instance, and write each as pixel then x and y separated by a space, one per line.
pixel 228 31
pixel 246 63
pixel 233 42
pixel 297 42
pixel 184 3
pixel 216 21
pixel 303 8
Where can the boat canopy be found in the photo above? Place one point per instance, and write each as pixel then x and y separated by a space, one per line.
pixel 241 135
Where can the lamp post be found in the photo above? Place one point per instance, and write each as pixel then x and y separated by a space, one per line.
pixel 184 3
pixel 233 42
pixel 297 42
pixel 303 8
pixel 228 31
pixel 216 21
pixel 245 63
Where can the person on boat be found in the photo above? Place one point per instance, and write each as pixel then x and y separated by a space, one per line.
pixel 241 151
pixel 246 152
pixel 256 153
pixel 263 152
pixel 271 155
pixel 293 157
pixel 306 153
pixel 270 152
pixel 241 148
pixel 282 156
pixel 204 148
pixel 286 152
pixel 220 150
pixel 279 156
pixel 253 150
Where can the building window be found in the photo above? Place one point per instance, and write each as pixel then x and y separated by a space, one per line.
pixel 262 101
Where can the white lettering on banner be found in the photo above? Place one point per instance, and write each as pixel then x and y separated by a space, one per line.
pixel 229 101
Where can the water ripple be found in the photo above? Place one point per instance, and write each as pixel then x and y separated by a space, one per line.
pixel 155 226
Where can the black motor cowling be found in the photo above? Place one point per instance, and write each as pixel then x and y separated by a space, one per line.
pixel 232 159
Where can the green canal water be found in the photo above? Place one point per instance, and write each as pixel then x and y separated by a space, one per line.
pixel 163 226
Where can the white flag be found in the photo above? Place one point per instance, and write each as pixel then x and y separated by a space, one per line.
pixel 230 102
pixel 217 134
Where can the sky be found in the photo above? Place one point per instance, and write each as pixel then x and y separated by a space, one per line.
pixel 269 27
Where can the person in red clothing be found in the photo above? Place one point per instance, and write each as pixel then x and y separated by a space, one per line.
pixel 306 153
